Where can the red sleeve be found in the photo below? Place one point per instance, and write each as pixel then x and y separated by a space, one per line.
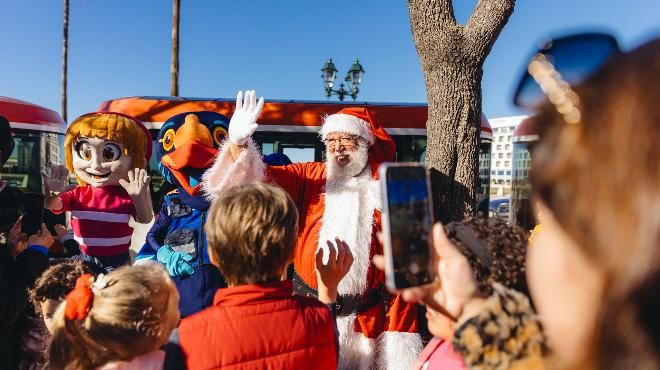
pixel 290 178
pixel 67 198
pixel 401 316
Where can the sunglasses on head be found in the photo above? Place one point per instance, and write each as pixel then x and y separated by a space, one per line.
pixel 560 64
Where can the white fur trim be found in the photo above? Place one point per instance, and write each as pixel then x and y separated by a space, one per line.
pixel 349 124
pixel 397 350
pixel 349 215
pixel 227 173
pixel 355 350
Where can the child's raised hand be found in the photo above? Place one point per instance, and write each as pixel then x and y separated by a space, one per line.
pixel 340 260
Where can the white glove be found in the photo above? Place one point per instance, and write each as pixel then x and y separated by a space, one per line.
pixel 244 121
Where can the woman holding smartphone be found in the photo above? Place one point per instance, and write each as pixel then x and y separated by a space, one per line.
pixel 594 270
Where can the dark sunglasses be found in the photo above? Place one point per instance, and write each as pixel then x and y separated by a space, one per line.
pixel 560 64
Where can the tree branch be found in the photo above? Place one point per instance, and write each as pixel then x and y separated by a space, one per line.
pixel 429 21
pixel 430 16
pixel 486 23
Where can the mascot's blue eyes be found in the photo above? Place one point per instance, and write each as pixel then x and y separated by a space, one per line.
pixel 168 140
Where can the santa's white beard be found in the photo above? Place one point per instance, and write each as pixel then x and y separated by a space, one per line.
pixel 358 161
pixel 349 215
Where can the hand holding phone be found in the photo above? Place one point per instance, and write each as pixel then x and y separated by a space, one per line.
pixel 33 212
pixel 453 291
pixel 407 218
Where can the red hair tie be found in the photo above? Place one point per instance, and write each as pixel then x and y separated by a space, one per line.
pixel 79 300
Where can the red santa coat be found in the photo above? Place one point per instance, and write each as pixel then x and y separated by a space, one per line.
pixel 305 183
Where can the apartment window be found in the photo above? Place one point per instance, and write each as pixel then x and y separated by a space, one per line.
pixel 507 164
pixel 508 138
pixel 508 173
pixel 501 139
pixel 500 155
pixel 508 155
pixel 500 173
pixel 508 182
pixel 507 147
pixel 498 163
pixel 499 147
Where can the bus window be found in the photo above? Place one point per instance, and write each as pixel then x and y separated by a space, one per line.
pixel 23 168
pixel 298 154
pixel 410 148
pixel 299 147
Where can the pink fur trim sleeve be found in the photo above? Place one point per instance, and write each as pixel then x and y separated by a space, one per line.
pixel 227 173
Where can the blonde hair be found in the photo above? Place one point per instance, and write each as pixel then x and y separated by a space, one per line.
pixel 108 126
pixel 252 232
pixel 125 320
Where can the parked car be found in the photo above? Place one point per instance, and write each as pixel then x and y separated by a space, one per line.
pixel 499 208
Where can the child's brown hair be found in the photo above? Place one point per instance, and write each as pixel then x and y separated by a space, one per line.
pixel 58 280
pixel 125 320
pixel 251 233
pixel 108 126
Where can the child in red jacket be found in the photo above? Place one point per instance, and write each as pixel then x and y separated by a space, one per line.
pixel 257 322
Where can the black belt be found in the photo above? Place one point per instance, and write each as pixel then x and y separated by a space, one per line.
pixel 347 304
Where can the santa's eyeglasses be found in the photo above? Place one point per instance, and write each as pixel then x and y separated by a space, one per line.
pixel 560 64
pixel 342 141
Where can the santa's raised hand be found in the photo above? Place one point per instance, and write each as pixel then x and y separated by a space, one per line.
pixel 244 121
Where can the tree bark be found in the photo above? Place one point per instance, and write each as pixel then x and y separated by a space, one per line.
pixel 65 57
pixel 174 81
pixel 452 58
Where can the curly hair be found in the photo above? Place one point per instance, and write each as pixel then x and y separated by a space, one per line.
pixel 503 258
pixel 58 280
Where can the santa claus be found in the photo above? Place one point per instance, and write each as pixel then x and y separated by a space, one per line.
pixel 338 198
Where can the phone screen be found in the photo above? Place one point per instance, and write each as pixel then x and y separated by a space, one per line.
pixel 410 223
pixel 33 211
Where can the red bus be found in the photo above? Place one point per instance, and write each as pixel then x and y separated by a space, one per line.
pixel 39 140
pixel 290 126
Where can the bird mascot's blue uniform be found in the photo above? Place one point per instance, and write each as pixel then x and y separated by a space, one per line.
pixel 187 145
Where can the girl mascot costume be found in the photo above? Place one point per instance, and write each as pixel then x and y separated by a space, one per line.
pixel 108 153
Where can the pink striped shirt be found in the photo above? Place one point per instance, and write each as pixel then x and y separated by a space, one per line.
pixel 100 218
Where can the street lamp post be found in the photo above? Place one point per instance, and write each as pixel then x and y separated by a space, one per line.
pixel 353 79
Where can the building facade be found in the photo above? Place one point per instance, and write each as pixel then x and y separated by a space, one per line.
pixel 502 155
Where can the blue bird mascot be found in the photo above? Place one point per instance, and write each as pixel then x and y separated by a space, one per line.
pixel 187 146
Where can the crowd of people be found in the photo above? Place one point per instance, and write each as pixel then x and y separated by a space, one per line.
pixel 254 263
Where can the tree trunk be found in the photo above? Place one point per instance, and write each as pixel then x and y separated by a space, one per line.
pixel 174 82
pixel 65 57
pixel 452 58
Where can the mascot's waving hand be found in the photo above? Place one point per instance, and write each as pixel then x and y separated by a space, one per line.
pixel 108 153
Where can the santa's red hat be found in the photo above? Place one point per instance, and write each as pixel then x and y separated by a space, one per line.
pixel 359 122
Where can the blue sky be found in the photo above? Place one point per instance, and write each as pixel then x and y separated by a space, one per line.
pixel 122 47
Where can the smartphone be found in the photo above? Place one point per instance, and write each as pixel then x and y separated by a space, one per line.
pixel 33 212
pixel 407 219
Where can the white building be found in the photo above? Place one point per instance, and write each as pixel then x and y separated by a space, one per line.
pixel 502 155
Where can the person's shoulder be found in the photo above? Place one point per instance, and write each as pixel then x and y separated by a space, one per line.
pixel 201 320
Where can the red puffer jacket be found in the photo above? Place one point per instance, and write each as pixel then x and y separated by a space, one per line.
pixel 262 326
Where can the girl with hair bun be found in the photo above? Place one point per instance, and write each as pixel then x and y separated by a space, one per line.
pixel 116 321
